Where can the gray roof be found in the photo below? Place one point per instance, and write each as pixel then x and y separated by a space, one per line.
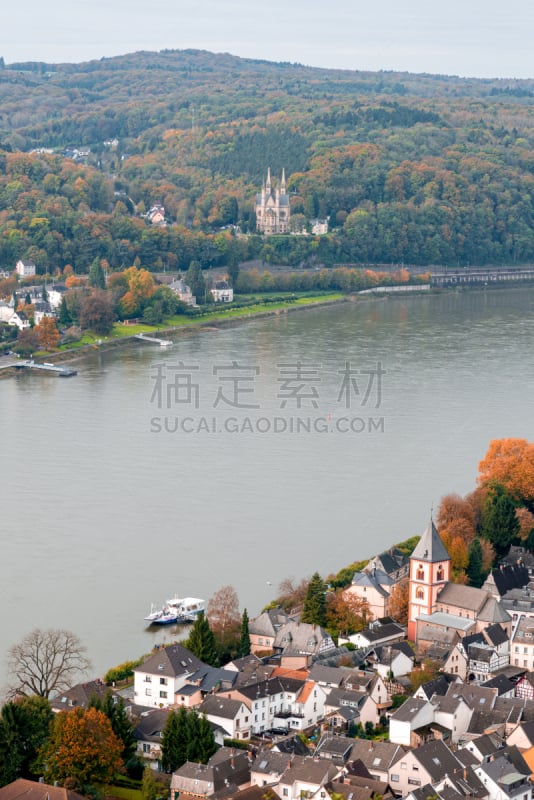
pixel 151 725
pixel 269 622
pixel 436 758
pixel 376 755
pixel 171 661
pixel 270 762
pixel 302 637
pixel 218 706
pixel 409 709
pixel 430 547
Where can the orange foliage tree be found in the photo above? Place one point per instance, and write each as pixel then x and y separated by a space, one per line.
pixel 510 462
pixel 399 600
pixel 346 613
pixel 83 748
pixel 48 333
pixel 457 527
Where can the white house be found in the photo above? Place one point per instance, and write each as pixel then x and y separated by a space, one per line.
pixel 19 319
pixel 222 292
pixel 55 294
pixel 282 703
pixel 183 292
pixel 231 715
pixel 502 780
pixel 162 675
pixel 25 269
pixel 413 714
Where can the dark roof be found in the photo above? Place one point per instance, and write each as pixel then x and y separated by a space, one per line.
pixel 255 793
pixel 438 685
pixel 271 686
pixel 219 706
pixel 501 683
pixel 291 745
pixel 335 747
pixel 171 661
pixel 382 632
pixel 511 576
pixel 437 759
pixel 151 725
pixel 430 547
pixel 79 696
pixel 496 634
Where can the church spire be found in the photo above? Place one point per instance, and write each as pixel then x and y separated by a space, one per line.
pixel 430 548
pixel 268 183
pixel 283 183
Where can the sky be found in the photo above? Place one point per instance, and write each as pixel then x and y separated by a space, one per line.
pixel 470 38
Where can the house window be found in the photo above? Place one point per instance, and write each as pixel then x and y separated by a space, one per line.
pixel 163 681
pixel 163 694
pixel 420 594
pixel 394 778
pixel 146 748
pixel 285 792
pixel 148 692
pixel 413 782
pixel 440 572
pixel 148 679
pixel 420 574
pixel 403 765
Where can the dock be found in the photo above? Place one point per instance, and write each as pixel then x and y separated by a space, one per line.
pixel 62 372
pixel 153 339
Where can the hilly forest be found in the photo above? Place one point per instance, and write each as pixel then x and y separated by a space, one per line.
pixel 409 169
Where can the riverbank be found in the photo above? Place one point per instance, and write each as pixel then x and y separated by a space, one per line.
pixel 126 335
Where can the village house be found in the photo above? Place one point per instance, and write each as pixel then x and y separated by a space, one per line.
pixel 302 641
pixel 479 656
pixel 37 790
pixel 158 680
pixel 183 292
pixel 362 708
pixel 227 769
pixel 156 215
pixel 25 269
pixel 378 757
pixel 79 696
pixel 263 629
pixel 222 292
pixel 19 319
pixel 231 715
pixel 427 764
pixel 522 647
pixel 268 767
pixel 503 781
pixel 392 660
pixel 378 634
pixel 307 778
pixel 148 733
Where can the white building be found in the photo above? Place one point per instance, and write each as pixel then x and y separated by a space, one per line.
pixel 25 269
pixel 222 292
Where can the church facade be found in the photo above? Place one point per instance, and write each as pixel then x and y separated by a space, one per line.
pixel 272 207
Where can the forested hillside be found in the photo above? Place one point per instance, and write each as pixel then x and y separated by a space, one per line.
pixel 413 169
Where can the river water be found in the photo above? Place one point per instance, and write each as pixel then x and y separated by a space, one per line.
pixel 246 454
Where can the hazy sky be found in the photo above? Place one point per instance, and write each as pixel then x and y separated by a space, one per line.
pixel 480 38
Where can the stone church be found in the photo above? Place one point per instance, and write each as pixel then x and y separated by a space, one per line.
pixel 272 207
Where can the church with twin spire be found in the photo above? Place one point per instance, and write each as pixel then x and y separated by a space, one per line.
pixel 272 207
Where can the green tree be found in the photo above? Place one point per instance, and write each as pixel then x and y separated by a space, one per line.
pixel 24 729
pixel 195 280
pixel 201 641
pixel 500 525
pixel 314 609
pixel 65 319
pixel 244 640
pixel 15 301
pixel 151 789
pixel 474 568
pixel 97 279
pixel 174 740
pixel 206 740
pixel 113 707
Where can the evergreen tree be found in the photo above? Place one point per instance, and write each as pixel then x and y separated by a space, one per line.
pixel 499 520
pixel 244 641
pixel 27 299
pixel 44 294
pixel 24 729
pixel 192 727
pixel 174 740
pixel 201 641
pixel 97 279
pixel 314 610
pixel 529 544
pixel 15 301
pixel 195 280
pixel 113 707
pixel 64 316
pixel 150 788
pixel 206 740
pixel 474 567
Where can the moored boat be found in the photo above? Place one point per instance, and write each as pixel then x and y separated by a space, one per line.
pixel 176 610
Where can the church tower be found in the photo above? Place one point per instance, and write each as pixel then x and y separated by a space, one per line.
pixel 430 567
pixel 272 207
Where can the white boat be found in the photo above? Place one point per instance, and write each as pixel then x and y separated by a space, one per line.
pixel 176 609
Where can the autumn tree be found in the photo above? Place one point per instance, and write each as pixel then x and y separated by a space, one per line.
pixel 346 613
pixel 425 672
pixel 314 608
pixel 399 600
pixel 510 463
pixel 113 707
pixel 24 729
pixel 83 748
pixel 223 612
pixel 45 662
pixel 27 342
pixel 97 312
pixel 48 333
pixel 291 594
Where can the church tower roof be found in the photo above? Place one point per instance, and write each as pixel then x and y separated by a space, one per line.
pixel 430 547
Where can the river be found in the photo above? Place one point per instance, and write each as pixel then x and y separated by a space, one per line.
pixel 109 503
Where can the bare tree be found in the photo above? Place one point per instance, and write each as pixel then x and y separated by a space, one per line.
pixel 45 661
pixel 223 611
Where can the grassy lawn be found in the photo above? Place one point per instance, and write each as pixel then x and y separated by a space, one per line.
pixel 123 793
pixel 121 331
